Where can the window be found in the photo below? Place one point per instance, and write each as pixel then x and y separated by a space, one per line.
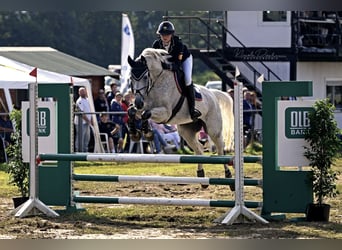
pixel 334 94
pixel 274 16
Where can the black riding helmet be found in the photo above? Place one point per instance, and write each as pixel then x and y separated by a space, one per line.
pixel 166 28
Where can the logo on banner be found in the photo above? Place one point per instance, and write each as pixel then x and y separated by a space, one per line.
pixel 297 122
pixel 126 30
pixel 43 122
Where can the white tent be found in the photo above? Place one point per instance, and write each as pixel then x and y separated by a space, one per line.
pixel 16 75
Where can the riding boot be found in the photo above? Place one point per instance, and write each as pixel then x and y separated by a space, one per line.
pixel 194 113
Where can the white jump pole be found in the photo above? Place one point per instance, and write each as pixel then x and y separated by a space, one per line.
pixel 34 205
pixel 239 212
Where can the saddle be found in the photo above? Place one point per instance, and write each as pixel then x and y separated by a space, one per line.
pixel 180 81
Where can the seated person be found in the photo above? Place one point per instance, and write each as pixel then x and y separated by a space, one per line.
pixel 112 130
pixel 169 133
pixel 159 142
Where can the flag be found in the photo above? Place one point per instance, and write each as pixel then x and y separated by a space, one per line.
pixel 127 49
pixel 34 72
pixel 260 78
pixel 237 72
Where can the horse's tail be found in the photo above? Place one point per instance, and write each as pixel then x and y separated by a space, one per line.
pixel 227 112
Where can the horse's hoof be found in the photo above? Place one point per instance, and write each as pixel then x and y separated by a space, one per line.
pixel 228 174
pixel 200 173
pixel 136 136
pixel 149 136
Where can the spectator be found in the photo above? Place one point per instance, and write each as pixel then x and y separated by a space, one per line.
pixel 256 106
pixel 247 115
pixel 161 146
pixel 116 106
pixel 82 134
pixel 125 104
pixel 169 133
pixel 101 103
pixel 6 129
pixel 111 95
pixel 111 129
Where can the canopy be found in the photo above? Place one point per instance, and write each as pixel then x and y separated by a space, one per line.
pixel 16 75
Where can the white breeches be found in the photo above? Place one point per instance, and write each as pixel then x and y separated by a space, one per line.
pixel 187 68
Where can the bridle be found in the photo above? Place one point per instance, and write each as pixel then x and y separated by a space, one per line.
pixel 139 73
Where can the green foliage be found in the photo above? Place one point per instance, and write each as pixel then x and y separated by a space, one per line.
pixel 17 169
pixel 253 148
pixel 323 150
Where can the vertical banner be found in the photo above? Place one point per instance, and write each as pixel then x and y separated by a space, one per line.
pixel 47 137
pixel 293 121
pixel 127 49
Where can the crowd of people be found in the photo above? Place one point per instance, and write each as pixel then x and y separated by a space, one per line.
pixel 111 114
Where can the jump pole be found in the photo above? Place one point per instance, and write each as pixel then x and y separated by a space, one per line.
pixel 239 212
pixel 34 205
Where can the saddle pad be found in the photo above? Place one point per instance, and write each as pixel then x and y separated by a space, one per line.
pixel 198 94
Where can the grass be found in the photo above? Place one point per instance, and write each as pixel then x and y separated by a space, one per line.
pixel 110 219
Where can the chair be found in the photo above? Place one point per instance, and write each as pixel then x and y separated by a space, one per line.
pixel 140 146
pixel 105 142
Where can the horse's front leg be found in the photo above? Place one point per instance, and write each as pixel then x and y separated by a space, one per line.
pixel 156 114
pixel 146 127
pixel 132 129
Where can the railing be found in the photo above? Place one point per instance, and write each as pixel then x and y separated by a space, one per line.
pixel 219 35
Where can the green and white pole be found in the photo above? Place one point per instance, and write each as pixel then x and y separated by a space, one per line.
pixel 150 158
pixel 34 205
pixel 239 212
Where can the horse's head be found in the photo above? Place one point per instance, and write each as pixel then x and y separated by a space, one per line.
pixel 139 80
pixel 145 71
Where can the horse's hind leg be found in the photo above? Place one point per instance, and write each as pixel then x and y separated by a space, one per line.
pixel 218 141
pixel 189 134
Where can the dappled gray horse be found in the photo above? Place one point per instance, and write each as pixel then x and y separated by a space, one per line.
pixel 158 96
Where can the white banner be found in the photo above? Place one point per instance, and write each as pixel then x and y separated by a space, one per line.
pixel 47 132
pixel 127 49
pixel 292 121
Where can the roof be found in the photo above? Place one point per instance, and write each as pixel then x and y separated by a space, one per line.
pixel 53 60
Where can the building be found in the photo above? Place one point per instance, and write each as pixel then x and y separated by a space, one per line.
pixel 281 45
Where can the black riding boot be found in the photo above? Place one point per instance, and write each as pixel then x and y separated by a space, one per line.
pixel 194 113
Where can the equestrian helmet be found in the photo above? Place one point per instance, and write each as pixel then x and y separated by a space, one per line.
pixel 166 28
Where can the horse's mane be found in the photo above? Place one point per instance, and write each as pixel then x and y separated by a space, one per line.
pixel 155 56
pixel 159 53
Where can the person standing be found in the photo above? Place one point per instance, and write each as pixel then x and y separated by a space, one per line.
pixel 126 102
pixel 100 103
pixel 111 95
pixel 247 116
pixel 82 135
pixel 116 106
pixel 181 59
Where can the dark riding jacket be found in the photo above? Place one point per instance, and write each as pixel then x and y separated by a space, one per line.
pixel 177 49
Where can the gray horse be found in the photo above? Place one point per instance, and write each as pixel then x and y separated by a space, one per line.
pixel 158 96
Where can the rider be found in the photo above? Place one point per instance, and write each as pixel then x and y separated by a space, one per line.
pixel 181 57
